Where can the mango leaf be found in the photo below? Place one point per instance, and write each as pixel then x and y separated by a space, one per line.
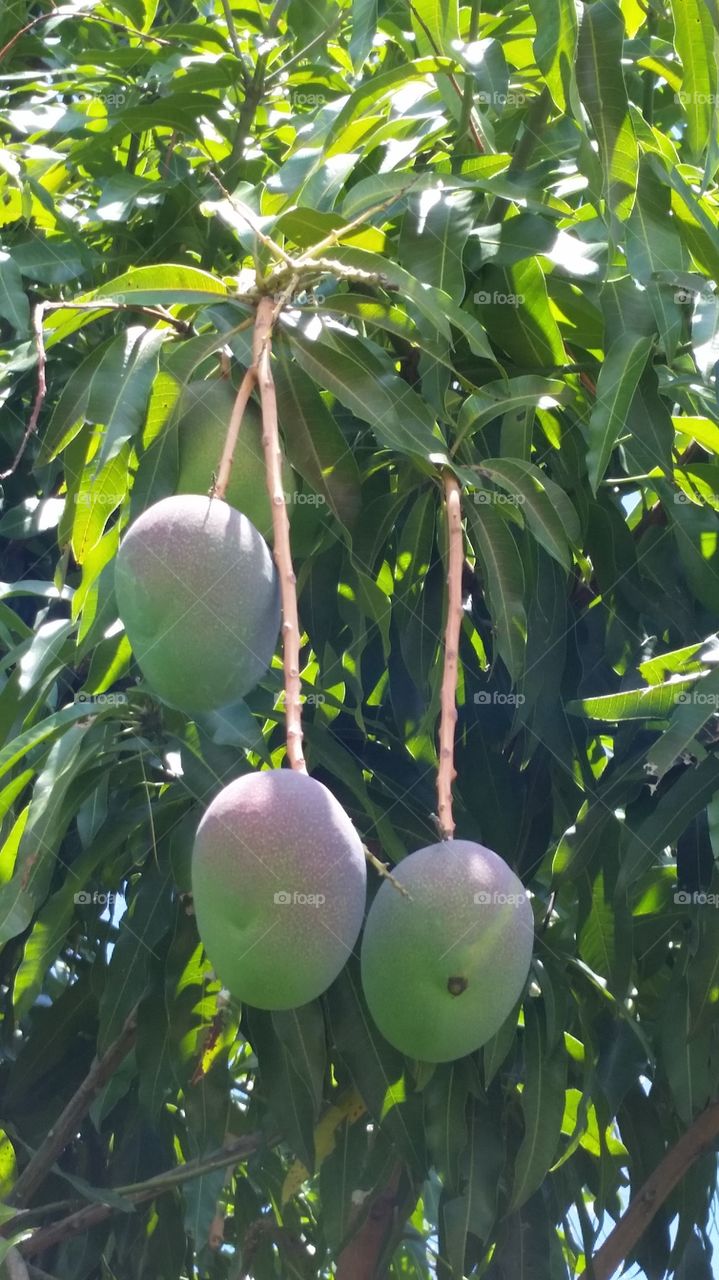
pixel 542 1107
pixel 655 702
pixel 315 445
pixel 695 43
pixel 496 398
pixel 618 380
pixel 503 571
pixel 600 80
pixel 546 508
pixel 363 380
pixel 165 284
pixel 14 305
pixel 555 47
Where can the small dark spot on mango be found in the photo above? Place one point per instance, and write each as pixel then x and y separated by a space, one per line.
pixel 456 986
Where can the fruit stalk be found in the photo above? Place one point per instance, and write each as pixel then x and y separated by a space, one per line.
pixel 446 772
pixel 233 430
pixel 262 350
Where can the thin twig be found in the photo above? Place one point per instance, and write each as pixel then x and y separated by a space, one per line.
pixel 382 869
pixel 77 1108
pixel 262 351
pixel 474 129
pixel 37 328
pixel 334 237
pixel 101 304
pixel 266 240
pixel 699 1138
pixel 233 430
pixel 84 17
pixel 139 1193
pixel 446 772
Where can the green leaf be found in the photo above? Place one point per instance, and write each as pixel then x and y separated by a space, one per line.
pixel 14 306
pixel 503 571
pixel 695 43
pixel 514 305
pixel 546 508
pixel 655 702
pixel 501 397
pixel 545 1078
pixel 165 284
pixel 433 304
pixel 618 380
pixel 315 445
pixel 118 398
pixel 693 708
pixel 361 377
pixel 600 80
pixel 555 47
pixel 364 23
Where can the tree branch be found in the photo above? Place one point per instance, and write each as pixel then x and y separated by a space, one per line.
pixel 77 1108
pixel 699 1138
pixel 361 1256
pixel 446 772
pixel 262 350
pixel 233 430
pixel 139 1193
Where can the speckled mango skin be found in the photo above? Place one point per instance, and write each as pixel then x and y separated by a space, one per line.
pixel 416 952
pixel 277 832
pixel 205 411
pixel 197 591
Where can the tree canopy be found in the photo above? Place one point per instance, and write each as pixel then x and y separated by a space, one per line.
pixel 490 238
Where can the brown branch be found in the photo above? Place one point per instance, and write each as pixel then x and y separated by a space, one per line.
pixel 699 1138
pixel 77 1108
pixel 361 1256
pixel 233 430
pixel 446 772
pixel 139 1193
pixel 262 350
pixel 37 323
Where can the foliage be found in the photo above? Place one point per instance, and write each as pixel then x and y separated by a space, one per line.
pixel 529 293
